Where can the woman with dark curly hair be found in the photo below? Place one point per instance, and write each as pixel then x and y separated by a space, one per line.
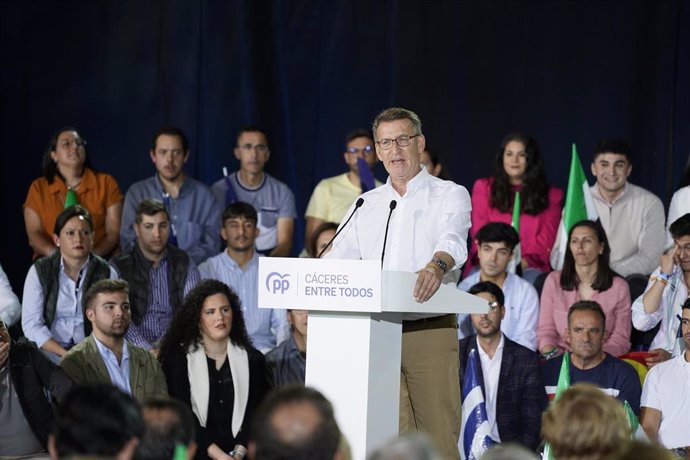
pixel 69 179
pixel 519 167
pixel 210 365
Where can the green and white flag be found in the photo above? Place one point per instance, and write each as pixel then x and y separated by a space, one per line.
pixel 517 252
pixel 578 206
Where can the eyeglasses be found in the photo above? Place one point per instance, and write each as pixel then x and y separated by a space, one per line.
pixel 366 149
pixel 260 148
pixel 68 143
pixel 493 306
pixel 402 141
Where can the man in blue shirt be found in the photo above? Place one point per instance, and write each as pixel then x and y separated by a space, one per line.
pixel 194 214
pixel 105 356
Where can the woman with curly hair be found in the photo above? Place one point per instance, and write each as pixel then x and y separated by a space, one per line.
pixel 69 179
pixel 519 167
pixel 210 365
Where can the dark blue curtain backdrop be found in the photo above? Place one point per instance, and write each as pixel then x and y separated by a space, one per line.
pixel 309 71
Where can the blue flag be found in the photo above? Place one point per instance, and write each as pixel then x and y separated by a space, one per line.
pixel 366 177
pixel 474 433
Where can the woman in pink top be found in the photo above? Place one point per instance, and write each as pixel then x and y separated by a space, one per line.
pixel 519 167
pixel 586 275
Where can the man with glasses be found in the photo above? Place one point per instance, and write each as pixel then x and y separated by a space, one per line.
pixel 663 298
pixel 27 376
pixel 508 374
pixel 334 195
pixel 429 219
pixel 273 200
pixel 194 214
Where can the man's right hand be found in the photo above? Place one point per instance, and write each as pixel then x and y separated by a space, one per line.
pixel 658 355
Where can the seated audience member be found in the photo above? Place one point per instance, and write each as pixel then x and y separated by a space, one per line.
pixel 519 168
pixel 295 422
pixel 586 275
pixel 238 267
pixel 159 275
pixel 585 424
pixel 680 204
pixel 507 372
pixel 287 363
pixel 321 238
pixel 666 291
pixel 26 413
pixel 432 163
pixel 273 200
pixel 407 447
pixel 333 196
pixel 643 450
pixel 191 207
pixel 68 179
pixel 211 367
pixel 96 421
pixel 105 356
pixel 10 308
pixel 632 217
pixel 52 315
pixel 588 362
pixel 495 243
pixel 510 451
pixel 169 426
pixel 666 397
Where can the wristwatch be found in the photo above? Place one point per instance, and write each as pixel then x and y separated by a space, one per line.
pixel 440 263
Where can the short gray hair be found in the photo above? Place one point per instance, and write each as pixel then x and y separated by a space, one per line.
pixel 397 113
pixel 407 447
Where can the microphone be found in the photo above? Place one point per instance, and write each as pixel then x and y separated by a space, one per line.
pixel 358 205
pixel 385 236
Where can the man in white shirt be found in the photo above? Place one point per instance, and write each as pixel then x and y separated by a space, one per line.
pixel 632 217
pixel 666 397
pixel 105 356
pixel 666 291
pixel 508 373
pixel 429 219
pixel 495 244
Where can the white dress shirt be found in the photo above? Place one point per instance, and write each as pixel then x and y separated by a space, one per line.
pixel 491 371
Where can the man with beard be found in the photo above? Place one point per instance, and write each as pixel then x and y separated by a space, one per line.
pixel 507 372
pixel 105 356
pixel 588 362
pixel 160 276
pixel 238 267
pixel 666 291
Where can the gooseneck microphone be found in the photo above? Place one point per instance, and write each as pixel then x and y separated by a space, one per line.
pixel 358 205
pixel 392 206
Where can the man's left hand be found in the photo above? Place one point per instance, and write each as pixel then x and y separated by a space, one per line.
pixel 428 282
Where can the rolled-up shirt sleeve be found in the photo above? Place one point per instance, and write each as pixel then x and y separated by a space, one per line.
pixel 455 225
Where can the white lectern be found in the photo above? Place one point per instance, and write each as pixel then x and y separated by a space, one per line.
pixel 355 328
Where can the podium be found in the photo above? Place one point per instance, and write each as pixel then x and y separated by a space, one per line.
pixel 355 334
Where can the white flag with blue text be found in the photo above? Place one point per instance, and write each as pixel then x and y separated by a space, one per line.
pixel 474 431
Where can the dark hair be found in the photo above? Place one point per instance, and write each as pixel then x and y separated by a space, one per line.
pixel 685 179
pixel 104 286
pixel 239 209
pixel 395 114
pixel 273 444
pixel 681 226
pixel 604 278
pixel 70 212
pixel 498 232
pixel 312 249
pixel 96 419
pixel 618 146
pixel 489 288
pixel 184 328
pixel 149 207
pixel 534 195
pixel 435 161
pixel 587 305
pixel 357 133
pixel 252 129
pixel 171 131
pixel 49 167
pixel 162 435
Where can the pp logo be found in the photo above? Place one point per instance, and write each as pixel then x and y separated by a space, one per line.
pixel 276 282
